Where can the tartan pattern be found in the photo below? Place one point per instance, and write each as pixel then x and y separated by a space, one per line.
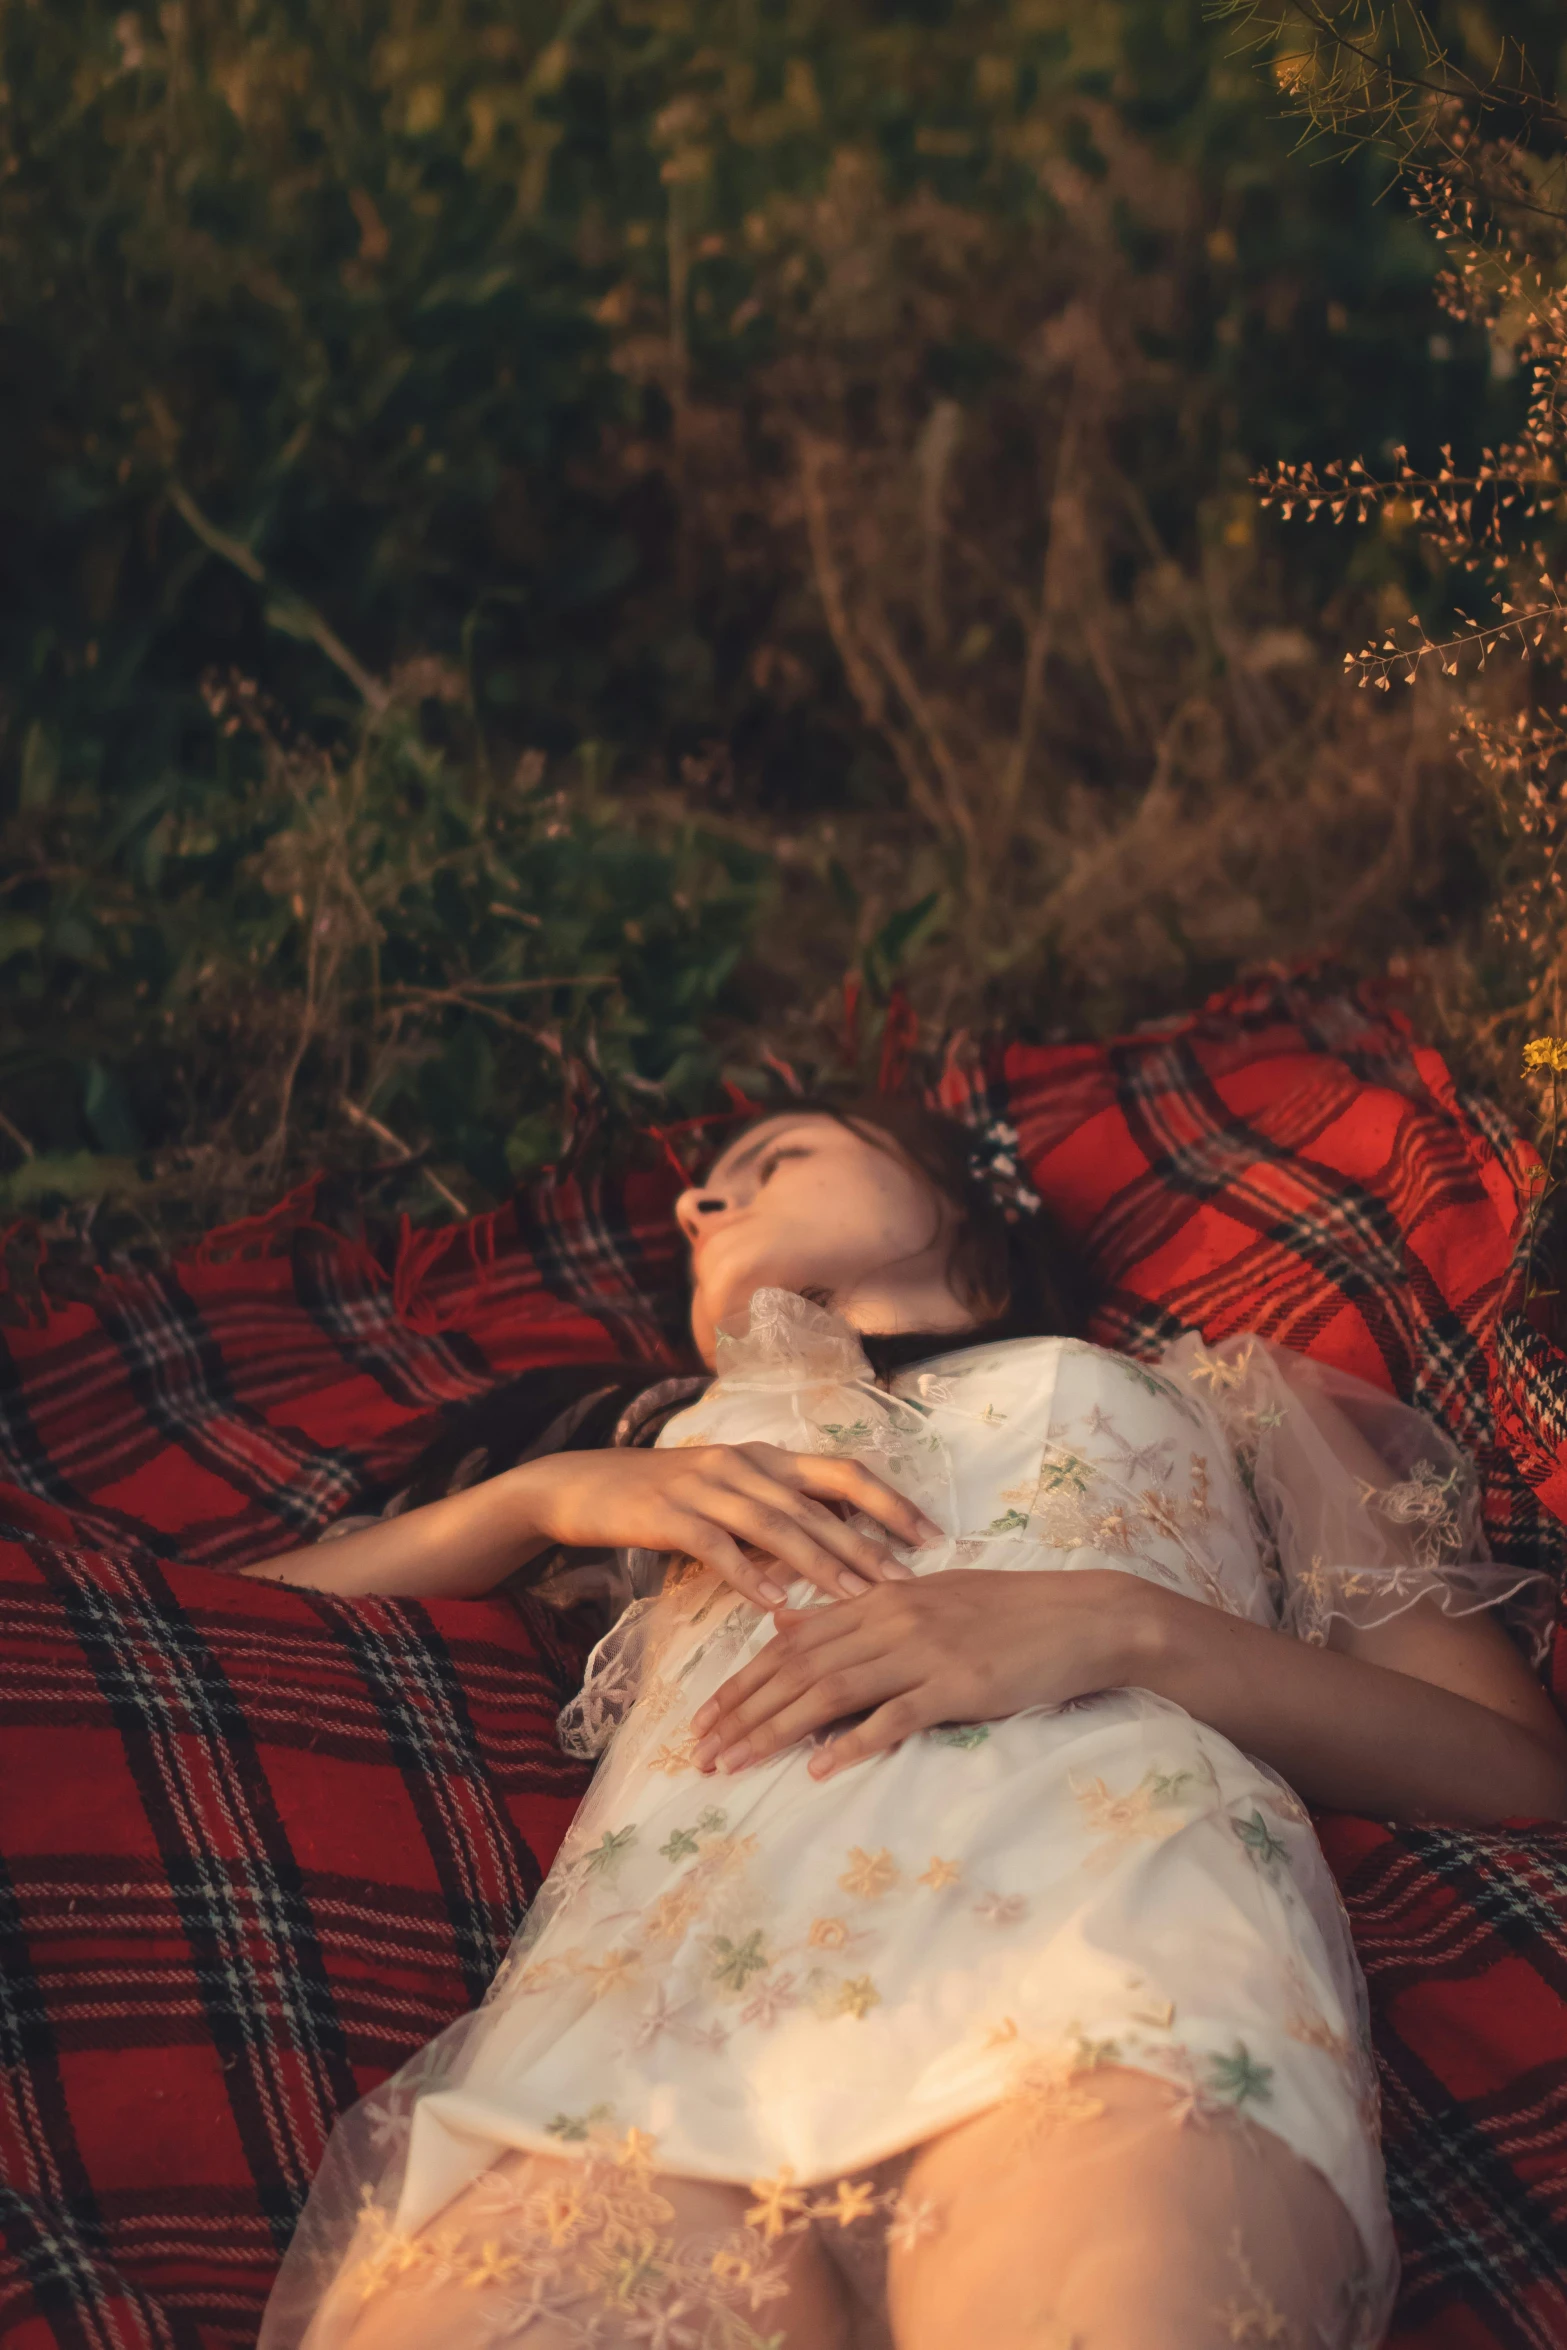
pixel 1288 1159
pixel 229 1407
pixel 1463 1937
pixel 259 1846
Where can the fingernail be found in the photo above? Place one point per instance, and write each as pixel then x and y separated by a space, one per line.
pixel 703 1715
pixel 896 1572
pixel 932 1531
pixel 706 1751
pixel 773 1593
pixel 851 1584
pixel 736 1756
pixel 820 1766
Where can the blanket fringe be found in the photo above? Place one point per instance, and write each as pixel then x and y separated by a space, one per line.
pixel 264 1235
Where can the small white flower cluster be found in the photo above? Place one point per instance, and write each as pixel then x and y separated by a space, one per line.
pixel 995 1159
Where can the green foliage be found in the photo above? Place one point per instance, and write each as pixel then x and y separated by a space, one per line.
pixel 388 943
pixel 409 599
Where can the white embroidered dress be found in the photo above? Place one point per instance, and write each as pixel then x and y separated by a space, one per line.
pixel 772 1978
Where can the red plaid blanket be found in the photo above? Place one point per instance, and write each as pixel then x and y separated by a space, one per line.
pixel 255 1847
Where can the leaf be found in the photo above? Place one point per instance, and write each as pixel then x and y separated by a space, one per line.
pixel 898 936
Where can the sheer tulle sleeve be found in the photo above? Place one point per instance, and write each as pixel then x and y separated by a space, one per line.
pixel 1363 1506
pixel 611 1684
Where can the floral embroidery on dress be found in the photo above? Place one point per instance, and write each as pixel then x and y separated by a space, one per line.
pixel 606 1856
pixel 734 1963
pixel 1151 1809
pixel 857 1996
pixel 1251 2319
pixel 914 2222
pixel 577 2128
pixel 1001 1909
pixel 773 1996
pixel 1239 2079
pixel 965 1735
pixel 614 1972
pixel 1425 1499
pixel 685 1843
pixel 940 1873
pixel 596 2239
pixel 869 1875
pixel 1262 1846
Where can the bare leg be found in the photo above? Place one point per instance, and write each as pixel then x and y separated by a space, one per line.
pixel 537 2235
pixel 1119 2229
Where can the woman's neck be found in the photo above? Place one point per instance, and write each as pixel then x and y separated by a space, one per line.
pixel 888 1304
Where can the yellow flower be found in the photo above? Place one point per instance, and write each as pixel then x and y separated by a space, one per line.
pixel 1546 1052
pixel 827 1934
pixel 857 1996
pixel 614 1972
pixel 869 1874
pixel 1148 1810
pixel 940 1873
pixel 492 2267
pixel 561 2210
pixel 636 2151
pixel 673 1911
pixel 779 2204
pixel 854 2199
pixel 731 2268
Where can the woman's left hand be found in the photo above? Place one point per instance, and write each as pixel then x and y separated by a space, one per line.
pixel 962 1645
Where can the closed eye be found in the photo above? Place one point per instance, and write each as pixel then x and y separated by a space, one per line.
pixel 776 1158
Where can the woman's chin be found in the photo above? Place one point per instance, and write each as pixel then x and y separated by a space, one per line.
pixel 725 1305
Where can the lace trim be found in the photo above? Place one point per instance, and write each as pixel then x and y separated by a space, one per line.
pixel 785 1341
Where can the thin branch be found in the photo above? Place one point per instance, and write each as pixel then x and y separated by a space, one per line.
pixel 9 1126
pixel 472 987
pixel 358 1117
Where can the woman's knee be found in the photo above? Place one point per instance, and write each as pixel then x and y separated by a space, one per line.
pixel 1093 2213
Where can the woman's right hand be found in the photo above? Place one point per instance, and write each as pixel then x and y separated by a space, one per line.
pixel 722 1504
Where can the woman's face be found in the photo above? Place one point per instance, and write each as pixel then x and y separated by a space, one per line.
pixel 805 1203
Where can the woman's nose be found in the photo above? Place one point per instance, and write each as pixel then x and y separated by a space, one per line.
pixel 692 1209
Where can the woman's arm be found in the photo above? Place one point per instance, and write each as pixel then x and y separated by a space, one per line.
pixel 703 1503
pixel 1423 1718
pixel 457 1548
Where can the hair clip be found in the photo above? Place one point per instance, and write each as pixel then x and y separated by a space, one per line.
pixel 995 1159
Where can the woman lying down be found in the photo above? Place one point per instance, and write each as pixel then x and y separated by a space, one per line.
pixel 943 1955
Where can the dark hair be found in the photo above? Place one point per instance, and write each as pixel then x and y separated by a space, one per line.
pixel 1018 1274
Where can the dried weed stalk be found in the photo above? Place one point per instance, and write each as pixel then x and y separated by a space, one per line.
pixel 1483 158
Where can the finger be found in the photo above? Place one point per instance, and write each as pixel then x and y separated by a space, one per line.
pixel 831 1684
pixel 773 1525
pixel 909 1711
pixel 801 1632
pixel 851 1481
pixel 865 1555
pixel 712 1547
pixel 849 1689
